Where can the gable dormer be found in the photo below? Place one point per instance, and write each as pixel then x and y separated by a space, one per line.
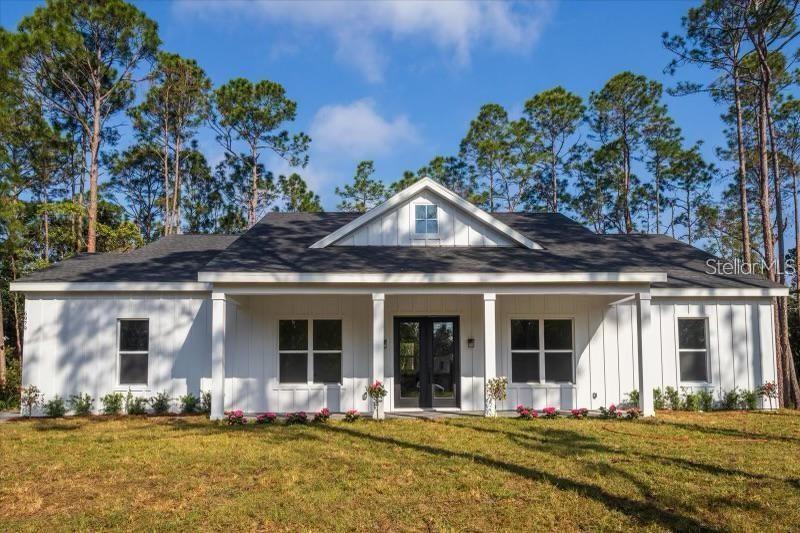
pixel 426 214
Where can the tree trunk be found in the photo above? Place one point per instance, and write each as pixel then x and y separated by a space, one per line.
pixel 743 208
pixel 2 344
pixel 555 179
pixel 167 214
pixel 251 215
pixel 626 187
pixel 796 239
pixel 176 217
pixel 94 170
pixel 16 312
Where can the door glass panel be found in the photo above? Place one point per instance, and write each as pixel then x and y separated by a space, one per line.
pixel 444 367
pixel 409 359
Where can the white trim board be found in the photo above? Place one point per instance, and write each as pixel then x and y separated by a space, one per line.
pixel 115 286
pixel 408 193
pixel 463 277
pixel 701 292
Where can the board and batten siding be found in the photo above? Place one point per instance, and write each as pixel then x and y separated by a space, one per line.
pixel 396 228
pixel 71 346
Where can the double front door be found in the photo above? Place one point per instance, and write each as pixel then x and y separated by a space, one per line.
pixel 426 362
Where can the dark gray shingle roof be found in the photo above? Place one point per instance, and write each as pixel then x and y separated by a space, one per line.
pixel 280 243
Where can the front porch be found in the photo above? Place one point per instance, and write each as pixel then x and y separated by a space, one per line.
pixel 285 349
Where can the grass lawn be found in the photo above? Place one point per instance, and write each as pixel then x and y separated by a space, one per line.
pixel 681 471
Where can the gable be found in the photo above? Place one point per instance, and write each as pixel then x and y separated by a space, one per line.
pixel 426 214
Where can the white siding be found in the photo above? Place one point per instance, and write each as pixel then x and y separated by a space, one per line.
pixel 396 228
pixel 70 346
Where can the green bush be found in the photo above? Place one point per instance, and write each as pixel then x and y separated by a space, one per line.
pixel 658 399
pixel 81 404
pixel 9 393
pixel 112 403
pixel 30 397
pixel 135 405
pixel 161 403
pixel 55 407
pixel 673 398
pixel 748 399
pixel 690 401
pixel 205 401
pixel 706 398
pixel 731 399
pixel 189 404
pixel 632 399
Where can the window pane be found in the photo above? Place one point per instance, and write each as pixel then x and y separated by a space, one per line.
pixel 420 227
pixel 692 333
pixel 693 366
pixel 294 368
pixel 524 367
pixel 327 334
pixel 431 212
pixel 293 335
pixel 558 367
pixel 133 369
pixel 525 334
pixel 433 227
pixel 327 368
pixel 133 335
pixel 419 212
pixel 558 334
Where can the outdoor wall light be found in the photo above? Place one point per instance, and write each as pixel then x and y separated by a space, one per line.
pixel 470 343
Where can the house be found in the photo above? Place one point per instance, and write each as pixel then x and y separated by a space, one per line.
pixel 426 292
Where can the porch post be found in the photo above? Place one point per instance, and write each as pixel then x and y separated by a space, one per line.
pixel 217 355
pixel 647 351
pixel 489 349
pixel 378 336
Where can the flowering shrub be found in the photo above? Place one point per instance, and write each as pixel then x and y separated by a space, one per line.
pixel 495 392
pixel 579 413
pixel 375 392
pixel 633 413
pixel 323 415
pixel 352 415
pixel 550 413
pixel 610 412
pixel 300 417
pixel 235 418
pixel 769 390
pixel 30 397
pixel 527 413
pixel 266 418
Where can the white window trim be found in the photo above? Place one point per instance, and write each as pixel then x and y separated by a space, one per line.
pixel 132 386
pixel 413 214
pixel 540 351
pixel 678 350
pixel 309 352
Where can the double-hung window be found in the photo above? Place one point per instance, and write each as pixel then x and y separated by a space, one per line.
pixel 310 344
pixel 426 219
pixel 542 351
pixel 693 349
pixel 133 347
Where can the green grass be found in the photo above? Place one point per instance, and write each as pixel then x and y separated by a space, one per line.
pixel 681 471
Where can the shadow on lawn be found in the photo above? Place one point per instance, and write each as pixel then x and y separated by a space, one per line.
pixel 729 432
pixel 648 512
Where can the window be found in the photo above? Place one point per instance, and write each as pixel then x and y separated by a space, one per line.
pixel 134 344
pixel 426 219
pixel 321 348
pixel 692 349
pixel 541 351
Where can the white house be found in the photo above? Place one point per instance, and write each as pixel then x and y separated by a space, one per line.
pixel 425 292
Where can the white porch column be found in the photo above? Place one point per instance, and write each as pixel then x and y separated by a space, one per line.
pixel 489 349
pixel 218 312
pixel 647 353
pixel 378 336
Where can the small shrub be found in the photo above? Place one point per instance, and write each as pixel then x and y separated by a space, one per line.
pixel 300 417
pixel 748 399
pixel 9 391
pixel 235 418
pixel 673 398
pixel 266 418
pixel 706 399
pixel 161 403
pixel 550 413
pixel 579 413
pixel 690 402
pixel 55 407
pixel 205 401
pixel 731 399
pixel 527 413
pixel 30 397
pixel 352 415
pixel 632 398
pixel 611 412
pixel 81 404
pixel 658 399
pixel 633 413
pixel 189 404
pixel 323 415
pixel 135 405
pixel 112 403
pixel 769 390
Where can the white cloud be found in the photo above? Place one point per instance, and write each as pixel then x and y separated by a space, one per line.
pixel 454 27
pixel 357 130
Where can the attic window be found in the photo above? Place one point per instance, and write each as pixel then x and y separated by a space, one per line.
pixel 426 219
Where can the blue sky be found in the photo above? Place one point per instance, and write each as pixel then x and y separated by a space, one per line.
pixel 399 82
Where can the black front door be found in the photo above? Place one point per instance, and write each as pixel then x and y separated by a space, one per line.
pixel 426 362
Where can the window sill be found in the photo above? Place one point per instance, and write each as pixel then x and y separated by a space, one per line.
pixel 307 386
pixel 132 388
pixel 542 385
